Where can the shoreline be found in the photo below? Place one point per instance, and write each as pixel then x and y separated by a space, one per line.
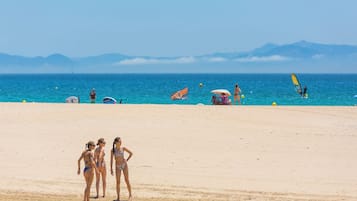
pixel 173 104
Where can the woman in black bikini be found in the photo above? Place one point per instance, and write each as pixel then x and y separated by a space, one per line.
pixel 120 165
pixel 88 172
pixel 100 163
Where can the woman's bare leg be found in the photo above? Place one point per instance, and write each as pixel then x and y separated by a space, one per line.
pixel 97 176
pixel 126 176
pixel 85 189
pixel 118 175
pixel 89 179
pixel 104 179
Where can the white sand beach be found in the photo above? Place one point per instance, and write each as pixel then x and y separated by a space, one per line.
pixel 183 152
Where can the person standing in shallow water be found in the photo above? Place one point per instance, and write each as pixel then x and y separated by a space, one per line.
pixel 121 165
pixel 304 93
pixel 92 96
pixel 89 167
pixel 99 155
pixel 237 92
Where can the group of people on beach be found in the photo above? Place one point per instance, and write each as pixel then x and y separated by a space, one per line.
pixel 224 100
pixel 94 163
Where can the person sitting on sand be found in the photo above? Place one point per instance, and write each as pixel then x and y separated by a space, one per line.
pixel 224 99
pixel 214 100
pixel 120 165
pixel 88 172
pixel 100 163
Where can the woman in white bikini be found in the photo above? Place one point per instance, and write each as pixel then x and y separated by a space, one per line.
pixel 100 163
pixel 120 165
pixel 89 166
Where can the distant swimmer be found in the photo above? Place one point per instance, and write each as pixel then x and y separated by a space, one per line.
pixel 237 93
pixel 92 96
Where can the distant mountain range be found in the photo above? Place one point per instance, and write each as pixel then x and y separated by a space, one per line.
pixel 299 53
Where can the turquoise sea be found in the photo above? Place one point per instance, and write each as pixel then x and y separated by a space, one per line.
pixel 258 89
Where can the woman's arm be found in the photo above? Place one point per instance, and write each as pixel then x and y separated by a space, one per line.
pixel 79 163
pixel 96 156
pixel 93 163
pixel 130 153
pixel 111 162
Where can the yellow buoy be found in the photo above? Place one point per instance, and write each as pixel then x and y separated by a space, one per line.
pixel 242 96
pixel 274 104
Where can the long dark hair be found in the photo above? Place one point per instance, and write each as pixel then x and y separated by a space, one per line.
pixel 115 141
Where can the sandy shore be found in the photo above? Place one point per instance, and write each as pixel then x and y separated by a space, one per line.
pixel 183 152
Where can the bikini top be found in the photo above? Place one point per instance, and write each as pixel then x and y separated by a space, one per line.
pixel 119 152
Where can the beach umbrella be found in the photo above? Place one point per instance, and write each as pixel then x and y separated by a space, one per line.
pixel 109 100
pixel 72 99
pixel 221 91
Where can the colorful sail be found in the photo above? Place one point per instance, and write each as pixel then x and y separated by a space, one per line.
pixel 179 95
pixel 296 83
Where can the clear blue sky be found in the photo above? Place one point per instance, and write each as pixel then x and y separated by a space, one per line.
pixel 169 28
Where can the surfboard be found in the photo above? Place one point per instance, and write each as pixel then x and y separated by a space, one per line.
pixel 109 100
pixel 179 95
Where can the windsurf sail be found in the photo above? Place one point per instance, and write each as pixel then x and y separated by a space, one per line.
pixel 179 95
pixel 296 83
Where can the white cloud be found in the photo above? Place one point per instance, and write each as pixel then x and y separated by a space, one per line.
pixel 188 60
pixel 273 58
pixel 216 59
pixel 318 56
pixel 142 61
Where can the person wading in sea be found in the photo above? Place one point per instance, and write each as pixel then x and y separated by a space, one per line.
pixel 237 92
pixel 92 96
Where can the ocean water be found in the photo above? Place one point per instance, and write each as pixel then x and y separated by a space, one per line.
pixel 258 89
